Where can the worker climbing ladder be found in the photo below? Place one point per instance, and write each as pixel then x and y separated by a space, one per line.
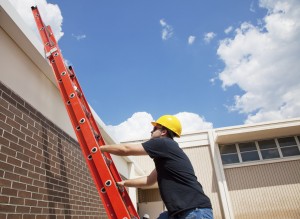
pixel 116 200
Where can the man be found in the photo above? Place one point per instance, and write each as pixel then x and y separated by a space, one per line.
pixel 179 189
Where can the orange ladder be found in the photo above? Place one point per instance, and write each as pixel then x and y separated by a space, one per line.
pixel 116 200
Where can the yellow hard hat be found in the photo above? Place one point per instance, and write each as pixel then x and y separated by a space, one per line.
pixel 170 122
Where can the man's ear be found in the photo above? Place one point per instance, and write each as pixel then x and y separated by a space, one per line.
pixel 164 132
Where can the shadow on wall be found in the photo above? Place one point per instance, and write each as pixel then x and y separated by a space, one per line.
pixel 57 185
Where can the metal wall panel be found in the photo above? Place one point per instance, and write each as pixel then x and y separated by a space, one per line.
pixel 269 191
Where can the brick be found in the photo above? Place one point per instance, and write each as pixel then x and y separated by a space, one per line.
pixel 16 201
pixel 37 196
pixel 6 112
pixel 35 210
pixel 8 151
pixel 9 191
pixel 2 117
pixel 19 134
pixel 23 109
pixel 28 120
pixel 7 208
pixel 30 108
pixel 4 200
pixel 21 122
pixel 11 176
pixel 30 202
pixel 20 171
pixel 23 209
pixel 15 110
pixel 22 157
pixel 32 188
pixel 3 157
pixel 5 126
pixel 17 147
pixel 13 123
pixel 24 194
pixel 9 99
pixel 33 175
pixel 6 166
pixel 29 153
pixel 4 103
pixel 29 167
pixel 26 131
pixel 31 140
pixel 5 182
pixel 19 186
pixel 14 161
pixel 14 216
pixel 18 99
pixel 26 180
pixel 10 137
pixel 4 141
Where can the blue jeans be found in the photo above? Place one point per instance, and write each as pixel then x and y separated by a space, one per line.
pixel 198 213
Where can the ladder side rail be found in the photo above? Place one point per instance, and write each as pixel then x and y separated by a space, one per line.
pixel 94 172
pixel 111 189
pixel 60 68
pixel 86 153
pixel 111 164
pixel 101 142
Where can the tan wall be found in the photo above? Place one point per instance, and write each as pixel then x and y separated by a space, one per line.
pixel 269 191
pixel 205 172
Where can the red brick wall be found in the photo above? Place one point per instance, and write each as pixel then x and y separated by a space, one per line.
pixel 42 171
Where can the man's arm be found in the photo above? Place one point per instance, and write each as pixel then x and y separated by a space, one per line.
pixel 140 182
pixel 124 149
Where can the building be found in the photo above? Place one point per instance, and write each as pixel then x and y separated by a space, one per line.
pixel 247 171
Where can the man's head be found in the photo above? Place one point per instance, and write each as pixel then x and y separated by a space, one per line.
pixel 166 126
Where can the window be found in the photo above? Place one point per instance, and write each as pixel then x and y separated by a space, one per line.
pixel 260 150
pixel 229 154
pixel 268 149
pixel 248 151
pixel 288 146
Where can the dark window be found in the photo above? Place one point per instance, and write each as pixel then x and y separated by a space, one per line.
pixel 288 146
pixel 268 149
pixel 228 149
pixel 230 158
pixel 248 151
pixel 229 154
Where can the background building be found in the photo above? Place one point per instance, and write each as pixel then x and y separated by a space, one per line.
pixel 249 171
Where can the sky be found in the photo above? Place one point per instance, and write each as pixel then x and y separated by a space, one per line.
pixel 211 63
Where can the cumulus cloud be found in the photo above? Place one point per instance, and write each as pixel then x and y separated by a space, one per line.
pixel 191 40
pixel 167 31
pixel 50 13
pixel 264 62
pixel 209 36
pixel 138 127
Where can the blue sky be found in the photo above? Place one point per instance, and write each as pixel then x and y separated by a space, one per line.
pixel 211 63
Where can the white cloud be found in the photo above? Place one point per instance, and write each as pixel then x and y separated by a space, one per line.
pixel 264 62
pixel 139 126
pixel 209 36
pixel 191 40
pixel 167 31
pixel 79 37
pixel 228 30
pixel 50 14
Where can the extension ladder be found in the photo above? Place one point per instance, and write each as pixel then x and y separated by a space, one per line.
pixel 116 200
